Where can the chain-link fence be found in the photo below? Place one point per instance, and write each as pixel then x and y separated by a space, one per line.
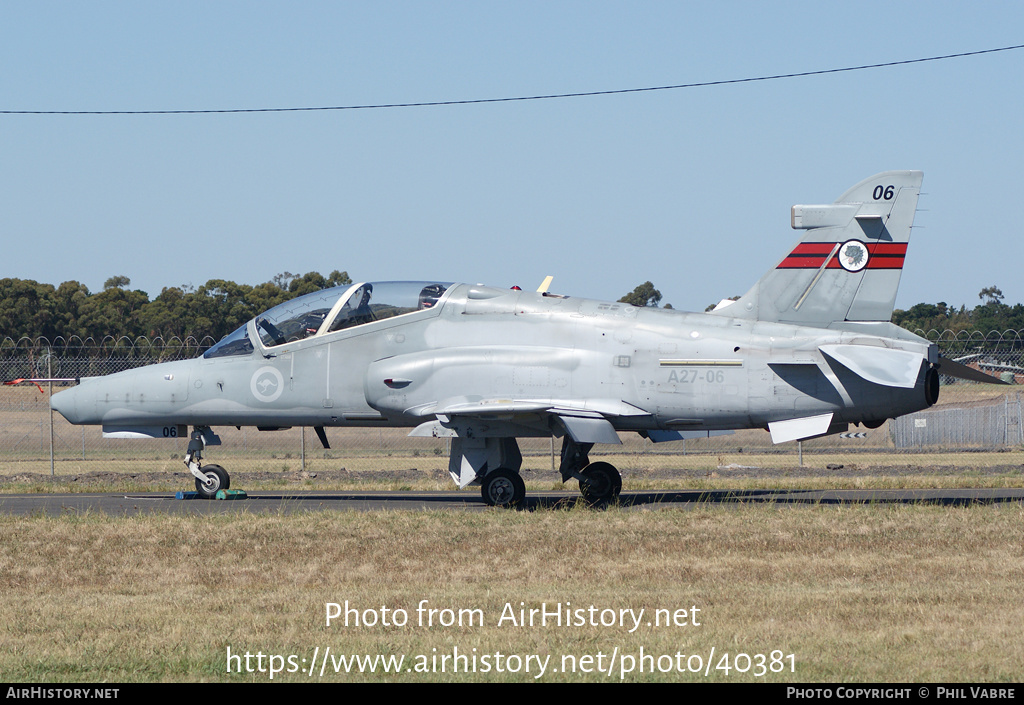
pixel 969 417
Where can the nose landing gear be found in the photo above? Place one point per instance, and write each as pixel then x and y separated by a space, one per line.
pixel 209 478
pixel 216 478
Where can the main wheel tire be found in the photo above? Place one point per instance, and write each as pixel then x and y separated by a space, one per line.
pixel 218 478
pixel 503 488
pixel 601 483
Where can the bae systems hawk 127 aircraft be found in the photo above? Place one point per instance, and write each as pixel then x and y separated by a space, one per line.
pixel 806 352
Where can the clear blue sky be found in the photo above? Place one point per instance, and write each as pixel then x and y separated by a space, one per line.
pixel 690 189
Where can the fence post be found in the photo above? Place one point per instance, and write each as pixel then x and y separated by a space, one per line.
pixel 49 375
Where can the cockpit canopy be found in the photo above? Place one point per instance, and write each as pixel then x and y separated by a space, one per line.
pixel 331 310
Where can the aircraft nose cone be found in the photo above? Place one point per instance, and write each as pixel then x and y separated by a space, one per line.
pixel 68 403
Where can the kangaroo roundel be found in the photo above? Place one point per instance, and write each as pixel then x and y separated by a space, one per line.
pixel 267 383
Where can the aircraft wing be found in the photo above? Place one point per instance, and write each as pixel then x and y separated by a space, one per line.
pixel 586 421
pixel 585 407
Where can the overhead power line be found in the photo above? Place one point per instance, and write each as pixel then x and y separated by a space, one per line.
pixel 550 96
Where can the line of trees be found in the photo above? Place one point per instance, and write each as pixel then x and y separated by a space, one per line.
pixel 990 315
pixel 30 308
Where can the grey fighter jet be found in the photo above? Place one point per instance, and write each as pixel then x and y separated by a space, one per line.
pixel 806 352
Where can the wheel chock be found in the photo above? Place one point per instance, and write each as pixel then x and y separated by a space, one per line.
pixel 186 495
pixel 231 494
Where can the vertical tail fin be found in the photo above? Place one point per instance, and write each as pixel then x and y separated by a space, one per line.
pixel 848 265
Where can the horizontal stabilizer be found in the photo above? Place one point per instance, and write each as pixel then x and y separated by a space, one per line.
pixel 955 369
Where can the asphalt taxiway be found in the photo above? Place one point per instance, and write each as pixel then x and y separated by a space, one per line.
pixel 120 504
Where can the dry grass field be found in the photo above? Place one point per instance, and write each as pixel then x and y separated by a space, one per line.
pixel 856 594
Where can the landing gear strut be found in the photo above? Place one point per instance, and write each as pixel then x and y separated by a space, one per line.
pixel 209 478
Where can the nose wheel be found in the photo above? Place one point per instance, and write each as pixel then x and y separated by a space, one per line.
pixel 215 478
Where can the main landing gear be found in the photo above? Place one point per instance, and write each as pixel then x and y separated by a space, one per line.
pixel 209 478
pixel 503 488
pixel 600 482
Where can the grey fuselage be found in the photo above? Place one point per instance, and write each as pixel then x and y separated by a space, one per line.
pixel 480 348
